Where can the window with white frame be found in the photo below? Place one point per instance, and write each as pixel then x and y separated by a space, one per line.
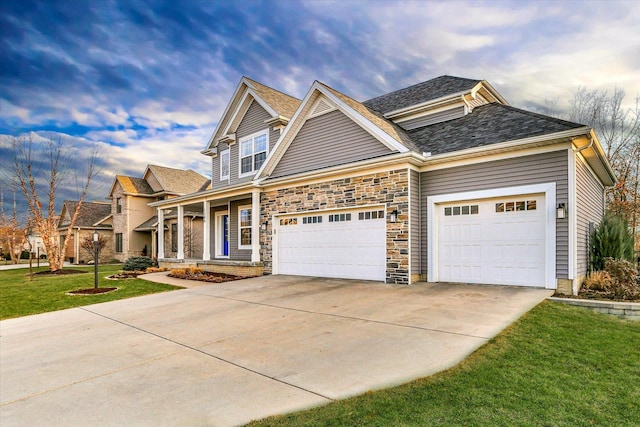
pixel 225 165
pixel 244 227
pixel 253 152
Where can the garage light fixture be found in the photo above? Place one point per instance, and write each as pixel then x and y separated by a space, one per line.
pixel 561 212
pixel 393 216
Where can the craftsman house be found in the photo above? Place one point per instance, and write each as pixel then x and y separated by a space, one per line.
pixel 441 181
pixel 93 216
pixel 135 223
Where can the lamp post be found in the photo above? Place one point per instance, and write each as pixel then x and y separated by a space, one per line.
pixel 95 259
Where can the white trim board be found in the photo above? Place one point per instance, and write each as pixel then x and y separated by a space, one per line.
pixel 549 190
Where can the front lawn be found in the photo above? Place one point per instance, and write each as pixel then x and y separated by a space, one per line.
pixel 557 366
pixel 21 297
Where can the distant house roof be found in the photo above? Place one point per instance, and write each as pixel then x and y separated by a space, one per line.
pixel 148 225
pixel 179 181
pixel 420 93
pixel 133 185
pixel 90 215
pixel 285 105
pixel 487 124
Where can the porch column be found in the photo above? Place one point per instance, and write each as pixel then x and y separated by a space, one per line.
pixel 154 249
pixel 255 225
pixel 206 230
pixel 180 232
pixel 160 233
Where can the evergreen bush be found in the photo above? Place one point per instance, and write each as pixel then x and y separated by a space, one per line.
pixel 612 238
pixel 137 263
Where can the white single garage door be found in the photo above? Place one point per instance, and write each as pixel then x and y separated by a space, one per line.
pixel 496 241
pixel 349 244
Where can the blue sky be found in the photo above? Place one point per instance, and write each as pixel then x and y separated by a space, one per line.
pixel 146 82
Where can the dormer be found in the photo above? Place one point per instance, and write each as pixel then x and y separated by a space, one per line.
pixel 434 101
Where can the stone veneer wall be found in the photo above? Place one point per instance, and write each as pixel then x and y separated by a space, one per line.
pixel 389 188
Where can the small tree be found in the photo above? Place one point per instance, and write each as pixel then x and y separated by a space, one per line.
pixel 612 238
pixel 87 245
pixel 41 182
pixel 12 236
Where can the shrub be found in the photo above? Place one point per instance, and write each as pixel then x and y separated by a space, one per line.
pixel 137 263
pixel 618 281
pixel 597 281
pixel 612 238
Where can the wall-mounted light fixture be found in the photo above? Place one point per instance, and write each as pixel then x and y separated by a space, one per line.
pixel 393 216
pixel 561 211
pixel 263 226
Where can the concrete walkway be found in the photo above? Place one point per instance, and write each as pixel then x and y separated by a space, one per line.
pixel 225 354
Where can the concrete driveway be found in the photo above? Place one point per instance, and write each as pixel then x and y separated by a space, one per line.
pixel 226 354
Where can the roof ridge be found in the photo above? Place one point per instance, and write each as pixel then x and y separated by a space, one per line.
pixel 272 88
pixel 421 83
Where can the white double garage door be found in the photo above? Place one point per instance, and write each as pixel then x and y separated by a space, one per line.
pixel 494 240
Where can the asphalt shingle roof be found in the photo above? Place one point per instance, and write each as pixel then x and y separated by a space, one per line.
pixel 485 125
pixel 285 105
pixel 90 213
pixel 419 93
pixel 133 185
pixel 179 181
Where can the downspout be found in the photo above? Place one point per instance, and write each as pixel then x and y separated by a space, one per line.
pixel 589 145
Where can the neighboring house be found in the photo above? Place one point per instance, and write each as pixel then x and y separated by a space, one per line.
pixel 135 223
pixel 34 242
pixel 93 216
pixel 441 181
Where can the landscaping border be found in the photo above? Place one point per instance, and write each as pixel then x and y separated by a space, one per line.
pixel 627 310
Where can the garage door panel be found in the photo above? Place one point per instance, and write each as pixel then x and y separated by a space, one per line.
pixel 493 245
pixel 343 249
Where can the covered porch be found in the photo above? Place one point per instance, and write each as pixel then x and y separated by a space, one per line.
pixel 213 230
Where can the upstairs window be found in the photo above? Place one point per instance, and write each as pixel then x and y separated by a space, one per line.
pixel 253 152
pixel 118 205
pixel 225 165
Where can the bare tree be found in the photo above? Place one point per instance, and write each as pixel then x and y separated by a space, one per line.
pixel 12 236
pixel 41 180
pixel 618 129
pixel 87 245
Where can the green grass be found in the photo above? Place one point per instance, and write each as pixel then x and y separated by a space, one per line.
pixel 21 297
pixel 557 366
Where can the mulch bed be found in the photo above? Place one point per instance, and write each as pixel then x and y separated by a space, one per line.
pixel 60 272
pixel 92 291
pixel 207 276
pixel 126 275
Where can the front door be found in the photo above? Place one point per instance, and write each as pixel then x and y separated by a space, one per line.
pixel 222 234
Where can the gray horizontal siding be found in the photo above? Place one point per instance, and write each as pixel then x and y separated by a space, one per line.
pixel 328 140
pixel 234 234
pixel 252 122
pixel 441 116
pixel 414 221
pixel 535 169
pixel 589 208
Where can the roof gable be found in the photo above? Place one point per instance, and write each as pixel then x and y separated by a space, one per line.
pixel 131 185
pixel 91 214
pixel 327 140
pixel 387 133
pixel 279 105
